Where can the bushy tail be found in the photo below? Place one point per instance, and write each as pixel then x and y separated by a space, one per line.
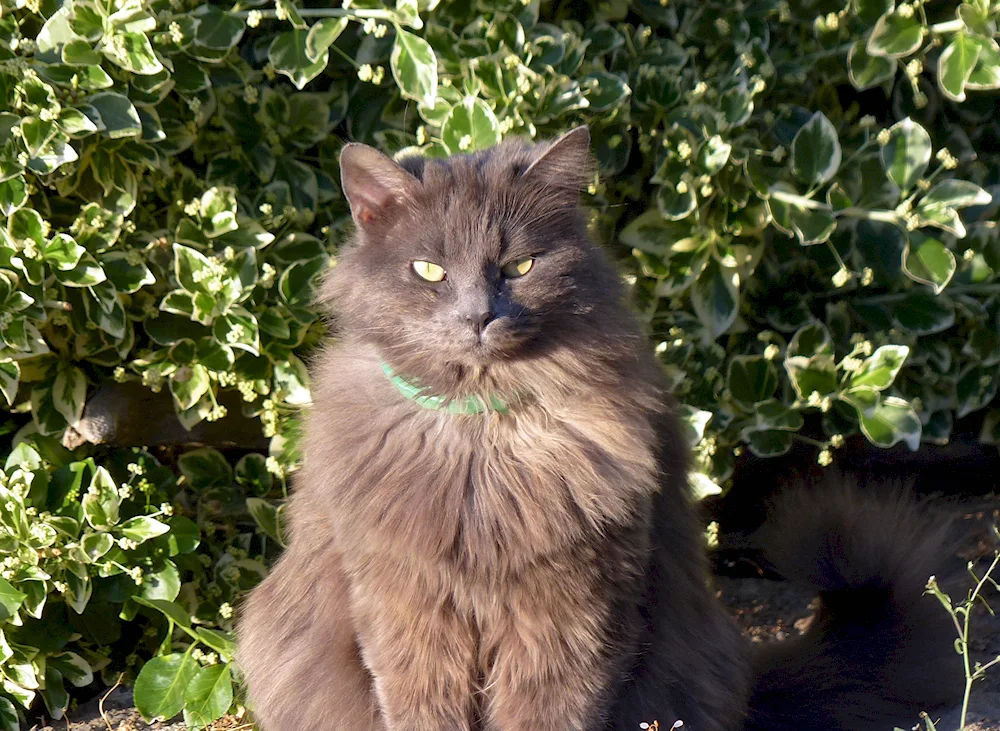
pixel 878 651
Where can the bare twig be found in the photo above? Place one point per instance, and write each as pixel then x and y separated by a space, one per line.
pixel 100 706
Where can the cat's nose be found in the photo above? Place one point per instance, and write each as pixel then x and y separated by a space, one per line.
pixel 478 319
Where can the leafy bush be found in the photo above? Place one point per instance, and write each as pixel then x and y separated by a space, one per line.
pixel 103 570
pixel 800 193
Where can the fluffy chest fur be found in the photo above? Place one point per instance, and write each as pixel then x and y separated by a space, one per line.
pixel 488 492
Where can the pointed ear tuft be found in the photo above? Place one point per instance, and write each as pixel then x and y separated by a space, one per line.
pixel 372 183
pixel 564 164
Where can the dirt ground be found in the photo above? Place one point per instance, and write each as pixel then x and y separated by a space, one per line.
pixel 768 610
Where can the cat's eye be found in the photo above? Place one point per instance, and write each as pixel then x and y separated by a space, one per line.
pixel 518 268
pixel 428 270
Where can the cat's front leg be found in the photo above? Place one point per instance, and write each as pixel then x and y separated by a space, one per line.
pixel 419 649
pixel 553 658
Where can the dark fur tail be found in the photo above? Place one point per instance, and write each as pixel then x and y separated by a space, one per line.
pixel 878 651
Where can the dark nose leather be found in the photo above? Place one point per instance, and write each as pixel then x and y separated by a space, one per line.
pixel 478 319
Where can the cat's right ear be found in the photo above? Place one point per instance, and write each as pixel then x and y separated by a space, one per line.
pixel 372 183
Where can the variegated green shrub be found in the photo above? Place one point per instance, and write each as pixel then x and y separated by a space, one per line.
pixel 803 195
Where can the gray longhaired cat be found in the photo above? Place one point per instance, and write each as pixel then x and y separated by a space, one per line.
pixel 492 531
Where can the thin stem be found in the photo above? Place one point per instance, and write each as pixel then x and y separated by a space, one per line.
pixel 949 26
pixel 885 216
pixel 333 47
pixel 969 676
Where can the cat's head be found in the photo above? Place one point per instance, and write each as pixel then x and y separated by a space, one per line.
pixel 472 264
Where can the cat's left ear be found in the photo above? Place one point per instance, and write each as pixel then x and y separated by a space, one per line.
pixel 372 183
pixel 565 164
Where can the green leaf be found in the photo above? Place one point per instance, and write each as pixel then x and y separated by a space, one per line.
pixel 907 153
pixel 86 273
pixel 96 545
pixel 119 117
pixel 218 211
pixel 773 414
pixel 694 422
pixel 184 535
pixel 8 716
pixel 676 202
pixel 54 693
pixel 714 155
pixel 80 586
pixel 142 528
pixel 265 516
pixel 170 609
pixel 818 373
pixel 922 313
pixel 238 329
pixel 76 124
pixel 289 56
pixel 810 340
pixel 866 70
pixel 986 74
pixel 26 225
pixel 751 379
pixel 72 667
pixel 895 35
pixel 812 222
pixel 192 269
pixel 885 421
pixel 469 126
pixel 322 35
pixel 214 355
pixel 36 134
pixel 414 67
pixel 133 52
pixel 976 388
pixel 408 12
pixel 10 378
pixel 956 194
pixel 126 273
pixel 163 584
pixel 816 151
pixel 768 443
pixel 955 65
pixel 63 252
pixel 208 696
pixel 879 370
pixel 702 485
pixel 607 91
pixel 159 689
pixel 715 298
pixel 188 384
pixel 101 503
pixel 939 207
pixel 221 642
pixel 291 379
pixel 252 472
pixel 869 11
pixel 205 468
pixel 10 599
pixel 13 195
pixel 69 392
pixel 217 30
pixel 80 53
pixel 928 261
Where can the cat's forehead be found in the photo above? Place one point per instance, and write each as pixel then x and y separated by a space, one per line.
pixel 497 166
pixel 469 205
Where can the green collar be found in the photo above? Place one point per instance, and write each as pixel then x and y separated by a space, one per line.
pixel 467 405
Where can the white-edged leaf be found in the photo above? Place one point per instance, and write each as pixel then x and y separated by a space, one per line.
pixel 816 152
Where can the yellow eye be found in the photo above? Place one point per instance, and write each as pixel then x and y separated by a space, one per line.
pixel 428 270
pixel 518 268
